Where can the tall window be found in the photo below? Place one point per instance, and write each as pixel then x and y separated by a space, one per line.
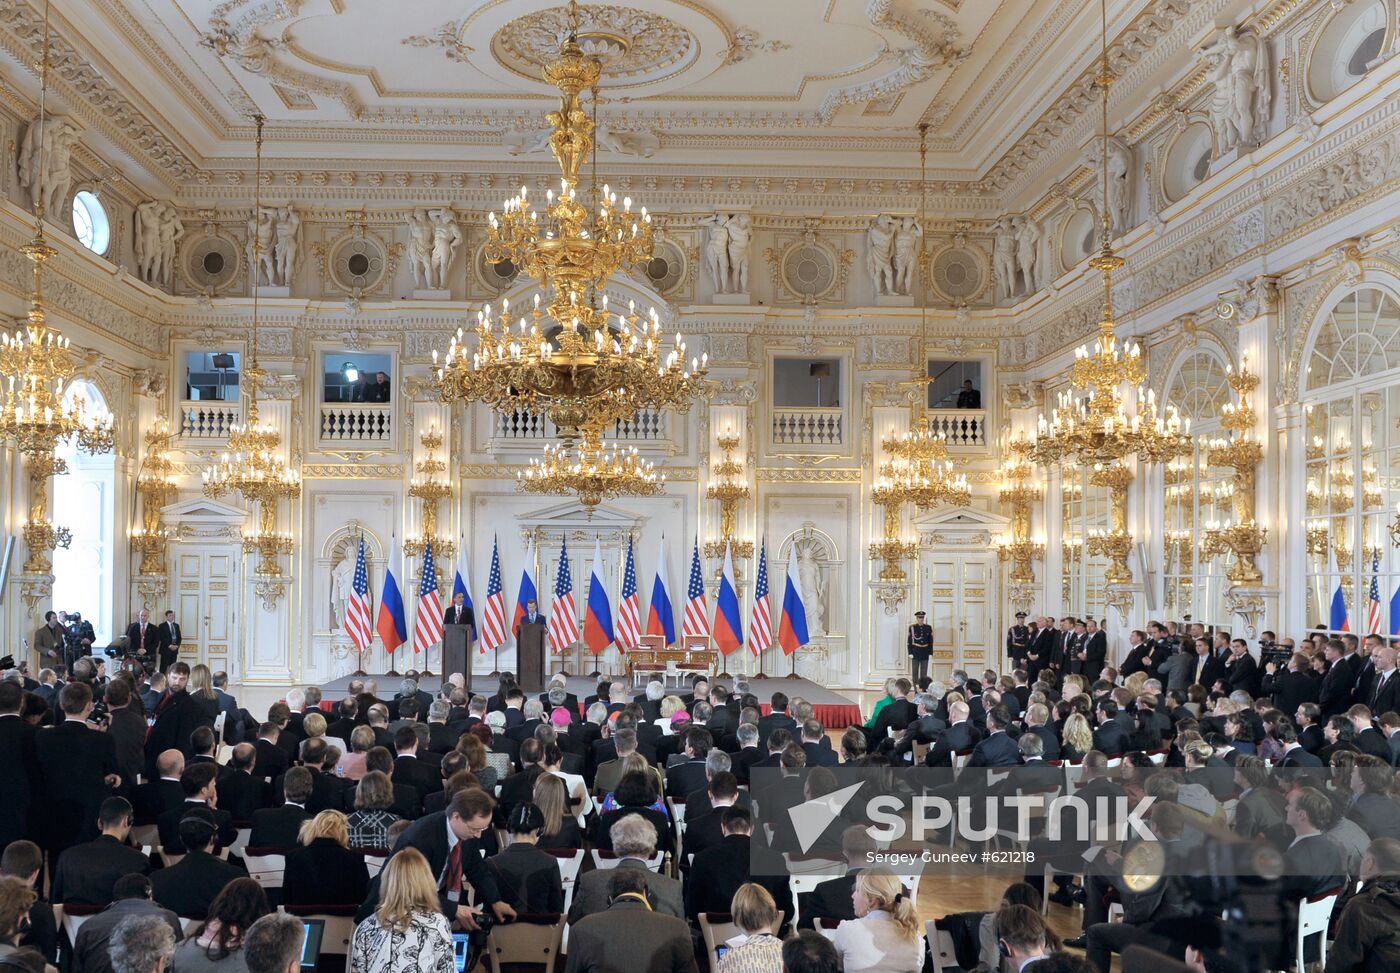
pixel 1085 510
pixel 1197 497
pixel 84 502
pixel 1352 403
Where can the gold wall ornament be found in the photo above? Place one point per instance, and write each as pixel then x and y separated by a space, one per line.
pixel 430 487
pixel 728 486
pixel 156 486
pixel 592 471
pixel 1019 494
pixel 1241 453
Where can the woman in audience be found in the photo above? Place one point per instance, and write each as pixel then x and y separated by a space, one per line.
pixel 216 946
pixel 16 899
pixel 885 936
pixel 988 955
pixel 407 932
pixel 560 828
pixel 499 761
pixel 853 744
pixel 756 914
pixel 471 747
pixel 551 762
pixel 527 877
pixel 352 765
pixel 324 871
pixel 201 689
pixel 314 726
pixel 636 794
pixel 369 823
pixel 670 706
pixel 635 761
pixel 891 691
pixel 1078 738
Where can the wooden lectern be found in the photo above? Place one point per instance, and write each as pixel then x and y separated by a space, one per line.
pixel 529 654
pixel 456 653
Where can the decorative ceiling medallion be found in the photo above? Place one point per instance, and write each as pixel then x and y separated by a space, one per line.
pixel 211 263
pixel 959 274
pixel 634 46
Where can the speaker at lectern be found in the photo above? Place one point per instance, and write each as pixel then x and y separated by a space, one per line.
pixel 456 653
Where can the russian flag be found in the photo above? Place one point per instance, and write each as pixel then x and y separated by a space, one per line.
pixel 1338 620
pixel 528 591
pixel 597 619
pixel 1395 612
pixel 462 580
pixel 660 621
pixel 792 626
pixel 728 630
pixel 392 625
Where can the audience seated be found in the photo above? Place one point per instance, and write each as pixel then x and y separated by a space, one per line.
pixel 886 934
pixel 86 873
pixel 141 944
pixel 23 860
pixel 278 827
pixel 190 886
pixel 636 794
pixel 322 870
pixel 369 822
pixel 406 931
pixel 633 840
pixel 198 783
pixel 130 897
pixel 560 828
pixel 630 933
pixel 528 878
pixel 274 945
pixel 216 944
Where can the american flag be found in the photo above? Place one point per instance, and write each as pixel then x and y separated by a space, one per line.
pixel 493 613
pixel 760 620
pixel 697 616
pixel 1373 611
pixel 427 624
pixel 563 619
pixel 357 611
pixel 629 617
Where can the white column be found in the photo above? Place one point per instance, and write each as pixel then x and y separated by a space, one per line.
pixel 269 604
pixel 1289 540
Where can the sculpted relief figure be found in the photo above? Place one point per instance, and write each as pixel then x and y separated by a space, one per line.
pixel 879 257
pixel 420 247
pixel 45 162
pixel 1239 105
pixel 1004 256
pixel 727 237
pixel 740 229
pixel 1028 252
pixel 1120 163
pixel 288 244
pixel 147 232
pixel 810 575
pixel 171 230
pixel 717 250
pixel 447 239
pixel 906 248
pixel 261 259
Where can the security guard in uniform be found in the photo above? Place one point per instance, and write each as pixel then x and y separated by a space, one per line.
pixel 920 646
pixel 1018 641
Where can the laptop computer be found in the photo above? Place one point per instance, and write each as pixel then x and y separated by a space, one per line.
pixel 315 929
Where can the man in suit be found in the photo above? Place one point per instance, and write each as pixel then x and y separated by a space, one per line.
pixel 998 749
pixel 1307 718
pixel 778 718
pixel 1094 649
pixel 190 886
pixel 170 640
pixel 1313 863
pixel 328 792
pixel 1384 696
pixel 130 896
pixel 1290 686
pixel 408 799
pixel 49 641
pixel 1038 723
pixel 198 782
pixel 634 843
pixel 154 797
pixel 1366 737
pixel 87 872
pixel 705 829
pixel 923 729
pixel 815 743
pixel 127 728
pixel 684 779
pixel 78 765
pixel 450 840
pixel 748 753
pixel 1371 806
pixel 1110 737
pixel 176 717
pixel 277 827
pixel 236 726
pixel 241 793
pixel 1241 671
pixel 718 871
pixel 1334 695
pixel 629 933
pixel 347 718
pixel 960 736
pixel 919 645
pixel 896 715
pixel 533 716
pixel 832 899
pixel 441 739
pixel 458 613
pixel 271 758
pixel 143 640
pixel 1042 647
pixel 20 781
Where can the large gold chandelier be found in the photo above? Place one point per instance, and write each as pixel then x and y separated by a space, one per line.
pixel 593 471
pixel 1096 428
pixel 253 466
pixel 570 358
pixel 37 365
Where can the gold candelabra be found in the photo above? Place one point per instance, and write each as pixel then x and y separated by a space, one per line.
pixel 728 486
pixel 252 467
pixel 1019 494
pixel 593 471
pixel 1241 453
pixel 430 488
pixel 156 487
pixel 891 548
pixel 571 361
pixel 1116 543
pixel 1317 538
pixel 37 364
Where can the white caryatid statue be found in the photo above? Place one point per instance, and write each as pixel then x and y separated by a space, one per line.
pixel 879 256
pixel 717 250
pixel 172 229
pixel 147 238
pixel 262 261
pixel 46 163
pixel 420 247
pixel 1028 252
pixel 288 244
pixel 342 584
pixel 1004 255
pixel 447 239
pixel 809 575
pixel 740 229
pixel 906 249
pixel 1239 104
pixel 1120 166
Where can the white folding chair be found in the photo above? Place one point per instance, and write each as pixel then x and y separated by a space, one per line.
pixel 1314 913
pixel 940 947
pixel 265 866
pixel 570 860
pixel 608 859
pixel 240 842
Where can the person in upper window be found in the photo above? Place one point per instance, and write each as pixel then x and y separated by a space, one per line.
pixel 969 397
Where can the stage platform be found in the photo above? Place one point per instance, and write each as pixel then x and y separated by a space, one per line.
pixel 834 710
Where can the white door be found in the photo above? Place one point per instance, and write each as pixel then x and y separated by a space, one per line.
pixel 206 586
pixel 959 591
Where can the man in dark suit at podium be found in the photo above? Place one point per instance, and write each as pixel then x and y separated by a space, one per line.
pixel 458 613
pixel 529 639
pixel 143 640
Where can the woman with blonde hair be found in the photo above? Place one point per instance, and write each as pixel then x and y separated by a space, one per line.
pixel 1134 683
pixel 561 828
pixel 407 932
pixel 885 936
pixel 756 915
pixel 352 765
pixel 1078 737
pixel 369 823
pixel 891 691
pixel 323 870
pixel 201 689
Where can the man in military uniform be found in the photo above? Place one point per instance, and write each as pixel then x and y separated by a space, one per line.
pixel 920 645
pixel 1018 641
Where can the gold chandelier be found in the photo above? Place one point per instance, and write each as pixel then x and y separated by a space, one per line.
pixel 1019 492
pixel 430 488
pixel 37 365
pixel 1097 429
pixel 1241 452
pixel 253 466
pixel 591 470
pixel 570 359
pixel 156 486
pixel 728 486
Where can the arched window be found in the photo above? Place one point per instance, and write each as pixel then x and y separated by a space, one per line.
pixel 1086 511
pixel 1196 496
pixel 90 223
pixel 84 502
pixel 1352 448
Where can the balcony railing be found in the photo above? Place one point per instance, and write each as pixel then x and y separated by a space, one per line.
pixel 208 419
pixel 357 423
pixel 808 427
pixel 647 426
pixel 964 428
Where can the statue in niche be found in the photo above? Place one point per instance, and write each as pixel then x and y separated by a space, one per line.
pixel 740 229
pixel 172 229
pixel 342 584
pixel 46 163
pixel 906 247
pixel 148 255
pixel 1239 105
pixel 1028 252
pixel 288 244
pixel 261 258
pixel 1004 255
pixel 1120 164
pixel 420 247
pixel 879 257
pixel 717 251
pixel 727 251
pixel 447 238
pixel 811 568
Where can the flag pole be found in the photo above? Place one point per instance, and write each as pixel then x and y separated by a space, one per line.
pixel 359 649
